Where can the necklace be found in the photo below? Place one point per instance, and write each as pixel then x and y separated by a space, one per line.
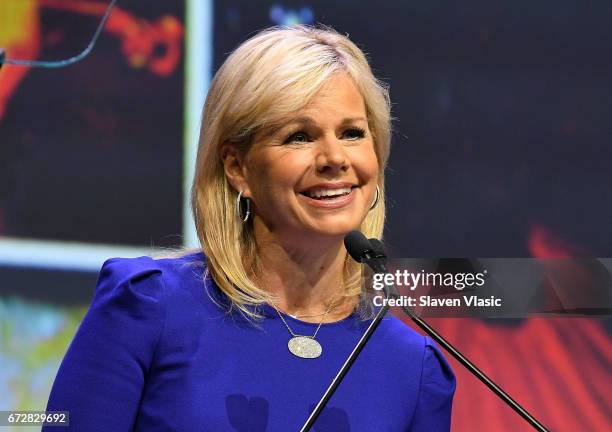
pixel 307 316
pixel 304 346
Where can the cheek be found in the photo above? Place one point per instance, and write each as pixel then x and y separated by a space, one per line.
pixel 288 168
pixel 277 171
pixel 366 162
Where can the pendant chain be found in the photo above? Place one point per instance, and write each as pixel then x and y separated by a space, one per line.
pixel 296 335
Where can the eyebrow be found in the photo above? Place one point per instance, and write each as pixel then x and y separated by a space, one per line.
pixel 304 120
pixel 310 120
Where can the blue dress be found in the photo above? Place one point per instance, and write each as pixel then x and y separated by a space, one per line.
pixel 156 353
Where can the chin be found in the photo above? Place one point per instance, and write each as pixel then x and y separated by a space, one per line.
pixel 335 229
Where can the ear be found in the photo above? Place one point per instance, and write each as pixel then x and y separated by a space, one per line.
pixel 233 164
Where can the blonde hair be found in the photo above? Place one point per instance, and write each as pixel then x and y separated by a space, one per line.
pixel 249 94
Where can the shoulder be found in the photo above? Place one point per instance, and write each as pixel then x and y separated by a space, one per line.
pixel 132 284
pixel 144 280
pixel 118 270
pixel 403 344
pixel 121 269
pixel 176 284
pixel 436 370
pixel 436 392
pixel 430 370
pixel 179 269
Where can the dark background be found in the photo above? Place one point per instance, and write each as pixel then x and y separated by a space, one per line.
pixel 503 116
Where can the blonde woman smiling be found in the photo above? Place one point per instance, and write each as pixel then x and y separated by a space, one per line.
pixel 246 334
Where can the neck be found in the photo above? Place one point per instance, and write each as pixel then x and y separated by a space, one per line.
pixel 305 275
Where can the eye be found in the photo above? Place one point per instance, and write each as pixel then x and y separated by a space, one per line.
pixel 297 137
pixel 354 133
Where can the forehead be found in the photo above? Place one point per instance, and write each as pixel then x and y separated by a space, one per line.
pixel 338 95
pixel 337 101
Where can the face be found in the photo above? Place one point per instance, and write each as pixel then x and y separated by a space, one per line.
pixel 317 174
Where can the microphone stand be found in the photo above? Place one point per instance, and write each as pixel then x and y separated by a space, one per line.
pixel 375 259
pixel 378 264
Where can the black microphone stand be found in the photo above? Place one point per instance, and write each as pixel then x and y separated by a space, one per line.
pixel 378 264
pixel 375 258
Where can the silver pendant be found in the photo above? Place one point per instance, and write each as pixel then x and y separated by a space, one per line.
pixel 304 347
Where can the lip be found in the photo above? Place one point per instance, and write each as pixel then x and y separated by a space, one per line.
pixel 331 203
pixel 338 185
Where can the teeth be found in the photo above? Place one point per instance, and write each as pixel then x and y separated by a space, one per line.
pixel 318 193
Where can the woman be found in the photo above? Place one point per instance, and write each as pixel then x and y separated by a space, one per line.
pixel 295 138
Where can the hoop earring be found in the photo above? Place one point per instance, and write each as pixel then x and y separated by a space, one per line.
pixel 239 209
pixel 375 203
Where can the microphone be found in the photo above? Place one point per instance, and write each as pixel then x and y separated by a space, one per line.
pixel 379 248
pixel 358 247
pixel 61 63
pixel 372 253
pixel 379 264
pixel 366 251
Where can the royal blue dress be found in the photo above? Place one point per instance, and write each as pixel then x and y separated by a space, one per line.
pixel 156 353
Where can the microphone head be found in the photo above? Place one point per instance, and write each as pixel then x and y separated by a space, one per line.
pixel 378 248
pixel 357 246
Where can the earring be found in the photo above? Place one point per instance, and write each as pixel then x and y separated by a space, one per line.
pixel 375 203
pixel 239 209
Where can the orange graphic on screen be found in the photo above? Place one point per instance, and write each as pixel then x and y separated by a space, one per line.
pixel 154 45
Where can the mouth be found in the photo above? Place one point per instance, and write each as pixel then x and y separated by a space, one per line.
pixel 330 195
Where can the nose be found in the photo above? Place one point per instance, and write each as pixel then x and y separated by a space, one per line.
pixel 331 156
